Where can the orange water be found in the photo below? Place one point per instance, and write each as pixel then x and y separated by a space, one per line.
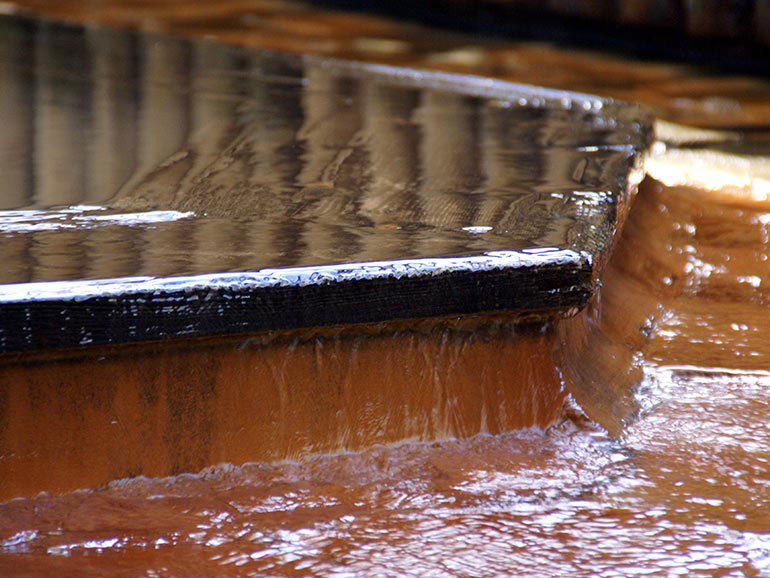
pixel 680 489
pixel 683 490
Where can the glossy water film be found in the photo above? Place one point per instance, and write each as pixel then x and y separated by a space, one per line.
pixel 78 421
pixel 160 187
pixel 156 156
pixel 670 361
pixel 681 490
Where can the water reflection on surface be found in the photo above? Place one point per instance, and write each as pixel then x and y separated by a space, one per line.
pixel 684 93
pixel 683 489
pixel 209 158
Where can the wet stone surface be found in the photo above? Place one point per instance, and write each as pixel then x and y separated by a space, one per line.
pixel 680 489
pixel 181 188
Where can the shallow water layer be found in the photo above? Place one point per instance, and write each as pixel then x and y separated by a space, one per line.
pixel 128 154
pixel 682 490
pixel 348 192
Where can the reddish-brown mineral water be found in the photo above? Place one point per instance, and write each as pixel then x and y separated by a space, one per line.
pixel 682 489
pixel 656 463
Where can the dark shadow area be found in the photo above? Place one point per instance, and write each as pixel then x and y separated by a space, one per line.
pixel 729 38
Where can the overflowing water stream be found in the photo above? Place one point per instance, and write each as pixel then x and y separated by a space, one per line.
pixel 682 490
pixel 655 461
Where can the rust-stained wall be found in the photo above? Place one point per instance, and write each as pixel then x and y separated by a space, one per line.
pixel 159 410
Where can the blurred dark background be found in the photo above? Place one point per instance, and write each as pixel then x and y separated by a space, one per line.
pixel 731 34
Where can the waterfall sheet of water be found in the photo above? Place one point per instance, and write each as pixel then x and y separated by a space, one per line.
pixel 680 488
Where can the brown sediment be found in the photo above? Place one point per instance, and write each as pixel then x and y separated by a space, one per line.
pixel 81 420
pixel 297 394
pixel 164 409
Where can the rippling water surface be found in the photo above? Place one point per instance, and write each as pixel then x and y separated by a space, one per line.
pixel 683 490
pixel 672 359
pixel 129 154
